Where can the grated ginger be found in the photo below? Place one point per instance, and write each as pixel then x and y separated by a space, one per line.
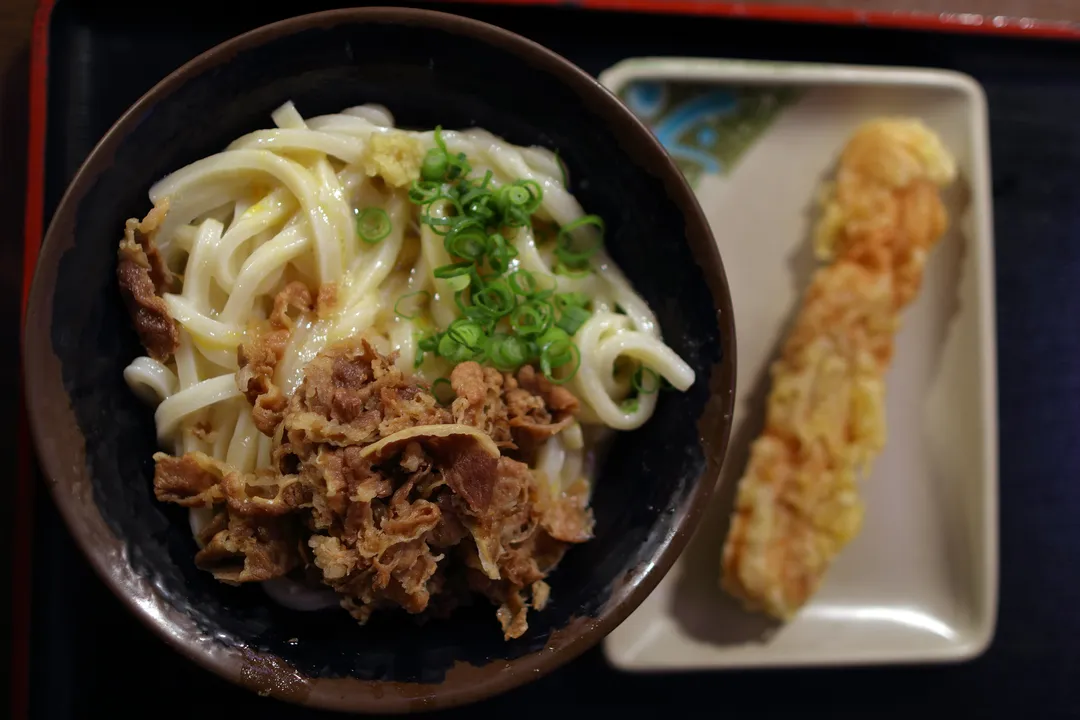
pixel 395 157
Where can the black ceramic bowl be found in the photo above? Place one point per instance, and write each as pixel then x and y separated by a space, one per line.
pixel 95 439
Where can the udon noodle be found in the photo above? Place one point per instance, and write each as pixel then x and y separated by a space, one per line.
pixel 332 202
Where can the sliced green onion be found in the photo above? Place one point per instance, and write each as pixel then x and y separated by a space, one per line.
pixel 532 318
pixel 645 380
pixel 516 218
pixel 570 299
pixel 372 225
pixel 425 344
pixel 400 311
pixel 443 391
pixel 422 193
pixel 496 298
pixel 556 354
pixel 517 195
pixel 523 282
pixel 630 405
pixel 453 351
pixel 459 166
pixel 467 333
pixel 466 240
pixel 508 352
pixel 474 194
pixel 457 269
pixel 472 216
pixel 528 285
pixel 435 165
pixel 536 195
pixel 500 253
pixel 458 282
pixel 551 335
pixel 566 250
pixel 572 318
pixel 438 225
pixel 456 165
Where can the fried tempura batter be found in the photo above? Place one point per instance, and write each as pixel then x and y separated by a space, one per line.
pixel 797 503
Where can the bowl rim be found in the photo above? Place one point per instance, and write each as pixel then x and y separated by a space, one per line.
pixel 68 482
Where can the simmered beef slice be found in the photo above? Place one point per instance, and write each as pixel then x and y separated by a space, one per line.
pixel 568 517
pixel 377 550
pixel 258 358
pixel 143 277
pixel 198 480
pixel 537 409
pixel 352 395
pixel 479 401
pixel 251 537
pixel 238 549
pixel 386 498
pixel 192 480
pixel 518 411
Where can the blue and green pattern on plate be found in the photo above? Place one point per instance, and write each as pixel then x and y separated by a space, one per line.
pixel 705 127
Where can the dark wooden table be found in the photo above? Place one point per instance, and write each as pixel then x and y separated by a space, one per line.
pixel 15 21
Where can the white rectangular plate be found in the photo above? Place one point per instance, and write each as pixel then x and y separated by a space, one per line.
pixel 920 581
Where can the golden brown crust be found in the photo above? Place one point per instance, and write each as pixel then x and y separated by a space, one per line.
pixel 797 503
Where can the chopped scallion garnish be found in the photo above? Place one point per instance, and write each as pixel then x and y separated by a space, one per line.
pixel 372 225
pixel 574 252
pixel 645 380
pixel 573 318
pixel 506 320
pixel 407 306
pixel 443 391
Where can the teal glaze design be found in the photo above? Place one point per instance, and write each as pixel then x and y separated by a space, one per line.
pixel 706 128
pixel 646 99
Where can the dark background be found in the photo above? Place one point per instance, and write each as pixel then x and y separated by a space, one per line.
pixel 88 656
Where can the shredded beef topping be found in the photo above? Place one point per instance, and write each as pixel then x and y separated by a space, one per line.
pixel 352 395
pixel 143 277
pixel 258 357
pixel 537 409
pixel 389 498
pixel 193 480
pixel 239 549
pixel 479 401
pixel 568 517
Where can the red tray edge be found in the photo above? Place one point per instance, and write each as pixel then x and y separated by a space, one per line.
pixel 24 485
pixel 35 198
pixel 900 19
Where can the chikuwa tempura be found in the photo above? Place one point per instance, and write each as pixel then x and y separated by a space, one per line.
pixel 798 503
pixel 382 362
